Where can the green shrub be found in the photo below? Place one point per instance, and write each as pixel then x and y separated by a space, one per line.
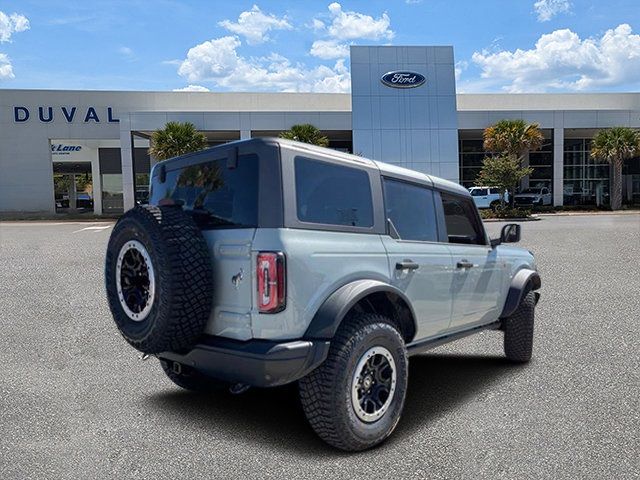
pixel 506 212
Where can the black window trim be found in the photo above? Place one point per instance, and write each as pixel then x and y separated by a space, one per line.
pixel 415 184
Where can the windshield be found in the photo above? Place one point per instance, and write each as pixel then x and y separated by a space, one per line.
pixel 531 190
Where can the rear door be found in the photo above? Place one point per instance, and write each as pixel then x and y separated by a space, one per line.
pixel 221 193
pixel 419 265
pixel 477 281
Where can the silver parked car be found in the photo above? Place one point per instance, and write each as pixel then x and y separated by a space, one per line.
pixel 265 262
pixel 538 196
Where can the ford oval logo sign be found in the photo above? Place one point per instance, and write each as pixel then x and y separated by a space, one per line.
pixel 402 79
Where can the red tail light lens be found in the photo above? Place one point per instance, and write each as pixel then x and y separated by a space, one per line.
pixel 271 282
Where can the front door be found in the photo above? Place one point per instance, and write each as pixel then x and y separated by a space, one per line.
pixel 419 265
pixel 477 282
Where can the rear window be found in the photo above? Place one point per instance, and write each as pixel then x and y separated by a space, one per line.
pixel 217 196
pixel 332 194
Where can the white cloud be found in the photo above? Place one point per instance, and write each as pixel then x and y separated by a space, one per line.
pixel 347 26
pixel 563 61
pixel 354 25
pixel 218 61
pixel 192 88
pixel 317 25
pixel 460 67
pixel 329 49
pixel 127 53
pixel 412 2
pixel 10 24
pixel 6 70
pixel 254 25
pixel 547 9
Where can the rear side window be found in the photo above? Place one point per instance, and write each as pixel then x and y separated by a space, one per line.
pixel 461 219
pixel 411 210
pixel 332 194
pixel 217 196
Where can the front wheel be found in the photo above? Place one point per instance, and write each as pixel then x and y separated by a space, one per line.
pixel 354 400
pixel 518 330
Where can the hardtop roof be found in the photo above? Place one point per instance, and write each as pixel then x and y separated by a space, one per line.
pixel 384 168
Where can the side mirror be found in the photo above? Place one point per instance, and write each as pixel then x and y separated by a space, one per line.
pixel 510 234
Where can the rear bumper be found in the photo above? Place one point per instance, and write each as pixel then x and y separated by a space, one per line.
pixel 260 363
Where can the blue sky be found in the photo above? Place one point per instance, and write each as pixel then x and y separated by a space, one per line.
pixel 500 46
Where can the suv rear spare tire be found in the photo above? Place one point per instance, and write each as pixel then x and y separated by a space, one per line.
pixel 158 278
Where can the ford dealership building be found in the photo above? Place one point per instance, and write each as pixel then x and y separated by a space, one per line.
pixel 83 151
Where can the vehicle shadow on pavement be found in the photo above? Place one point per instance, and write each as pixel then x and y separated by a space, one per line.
pixel 274 417
pixel 439 383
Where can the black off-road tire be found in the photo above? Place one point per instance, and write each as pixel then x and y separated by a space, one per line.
pixel 192 380
pixel 495 205
pixel 183 278
pixel 325 393
pixel 518 330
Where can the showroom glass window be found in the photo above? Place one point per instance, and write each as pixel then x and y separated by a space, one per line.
pixel 462 221
pixel 586 180
pixel 411 210
pixel 332 194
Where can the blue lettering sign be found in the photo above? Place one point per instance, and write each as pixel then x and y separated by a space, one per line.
pixel 69 115
pixel 60 149
pixel 41 114
pixel 91 115
pixel 20 114
pixel 46 114
pixel 110 116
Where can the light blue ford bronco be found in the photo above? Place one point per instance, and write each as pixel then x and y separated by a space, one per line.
pixel 264 262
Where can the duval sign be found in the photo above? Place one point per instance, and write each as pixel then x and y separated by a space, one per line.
pixel 403 79
pixel 46 114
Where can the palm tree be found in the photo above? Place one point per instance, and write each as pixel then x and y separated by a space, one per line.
pixel 175 139
pixel 306 133
pixel 615 145
pixel 512 139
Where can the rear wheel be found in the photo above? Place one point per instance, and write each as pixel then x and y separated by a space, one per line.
pixel 518 330
pixel 354 400
pixel 495 205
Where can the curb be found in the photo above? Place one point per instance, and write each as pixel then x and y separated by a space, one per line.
pixel 516 219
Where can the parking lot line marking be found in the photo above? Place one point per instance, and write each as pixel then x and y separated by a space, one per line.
pixel 95 228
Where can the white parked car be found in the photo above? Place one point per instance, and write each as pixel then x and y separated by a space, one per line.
pixel 534 196
pixel 487 197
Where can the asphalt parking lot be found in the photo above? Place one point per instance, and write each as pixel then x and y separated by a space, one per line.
pixel 75 401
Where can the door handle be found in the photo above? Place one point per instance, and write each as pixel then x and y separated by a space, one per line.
pixel 464 264
pixel 407 265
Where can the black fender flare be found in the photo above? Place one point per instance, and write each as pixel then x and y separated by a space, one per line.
pixel 521 283
pixel 335 308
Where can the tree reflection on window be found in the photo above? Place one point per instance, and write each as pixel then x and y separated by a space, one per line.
pixel 204 177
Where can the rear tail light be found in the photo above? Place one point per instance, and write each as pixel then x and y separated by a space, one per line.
pixel 271 282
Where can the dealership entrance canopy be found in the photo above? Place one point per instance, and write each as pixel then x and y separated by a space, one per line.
pixel 75 151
